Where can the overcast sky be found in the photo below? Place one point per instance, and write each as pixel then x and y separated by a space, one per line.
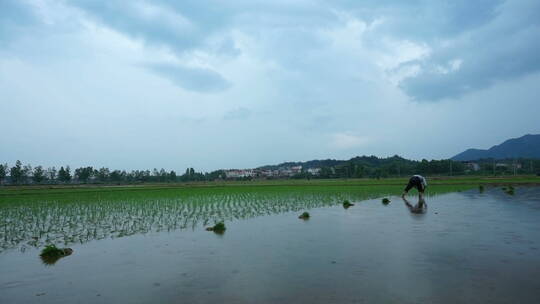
pixel 240 84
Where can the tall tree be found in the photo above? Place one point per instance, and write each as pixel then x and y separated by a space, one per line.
pixel 61 174
pixel 103 174
pixel 155 175
pixel 3 172
pixel 68 174
pixel 116 176
pixel 172 176
pixel 16 173
pixel 51 174
pixel 83 174
pixel 64 175
pixel 27 172
pixel 145 175
pixel 163 175
pixel 38 175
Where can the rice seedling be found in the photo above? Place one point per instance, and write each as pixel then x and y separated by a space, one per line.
pixel 51 254
pixel 53 251
pixel 218 228
pixel 347 204
pixel 386 201
pixel 510 190
pixel 46 216
pixel 304 216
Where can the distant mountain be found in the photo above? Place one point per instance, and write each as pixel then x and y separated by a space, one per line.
pixel 306 165
pixel 527 146
pixel 359 160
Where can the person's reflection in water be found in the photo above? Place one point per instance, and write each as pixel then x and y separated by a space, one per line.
pixel 419 208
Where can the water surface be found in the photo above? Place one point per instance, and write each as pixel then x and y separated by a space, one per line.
pixel 467 247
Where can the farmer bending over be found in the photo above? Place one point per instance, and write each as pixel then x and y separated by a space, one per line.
pixel 417 181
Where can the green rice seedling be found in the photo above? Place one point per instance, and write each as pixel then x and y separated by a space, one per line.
pixel 52 250
pixel 304 216
pixel 481 188
pixel 218 228
pixel 386 201
pixel 51 254
pixel 68 215
pixel 347 204
pixel 510 190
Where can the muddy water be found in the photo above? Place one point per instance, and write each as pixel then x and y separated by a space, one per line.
pixel 466 247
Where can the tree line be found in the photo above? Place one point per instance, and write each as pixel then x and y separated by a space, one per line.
pixel 396 166
pixel 21 174
pixel 357 167
pixel 374 167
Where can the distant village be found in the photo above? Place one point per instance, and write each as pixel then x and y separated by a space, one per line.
pixel 285 172
pixel 473 166
pixel 262 173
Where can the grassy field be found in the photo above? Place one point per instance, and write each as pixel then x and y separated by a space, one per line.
pixel 171 190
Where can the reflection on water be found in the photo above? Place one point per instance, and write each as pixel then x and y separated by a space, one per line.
pixel 418 208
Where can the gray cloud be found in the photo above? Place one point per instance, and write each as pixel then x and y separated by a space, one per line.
pixel 15 16
pixel 506 47
pixel 424 19
pixel 483 64
pixel 180 26
pixel 288 80
pixel 189 78
pixel 474 30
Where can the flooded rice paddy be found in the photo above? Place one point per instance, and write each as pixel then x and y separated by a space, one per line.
pixel 461 247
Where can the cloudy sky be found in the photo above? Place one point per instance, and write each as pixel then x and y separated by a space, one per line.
pixel 239 84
